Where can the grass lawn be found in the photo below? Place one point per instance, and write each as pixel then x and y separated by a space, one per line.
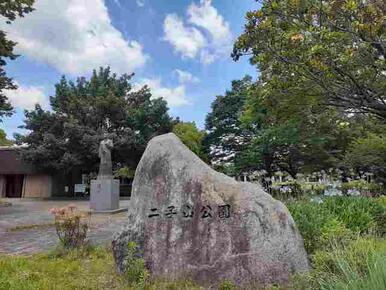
pixel 76 270
pixel 88 269
pixel 359 266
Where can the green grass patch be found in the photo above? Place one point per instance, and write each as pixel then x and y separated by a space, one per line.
pixel 338 218
pixel 91 268
pixel 345 240
pixel 74 270
pixel 358 265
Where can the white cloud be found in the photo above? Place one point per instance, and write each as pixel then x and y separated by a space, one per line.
pixel 190 41
pixel 140 3
pixel 74 37
pixel 175 97
pixel 185 77
pixel 206 16
pixel 208 57
pixel 26 97
pixel 186 40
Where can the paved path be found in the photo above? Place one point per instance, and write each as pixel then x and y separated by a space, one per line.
pixel 25 212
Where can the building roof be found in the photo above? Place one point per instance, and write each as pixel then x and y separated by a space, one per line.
pixel 11 162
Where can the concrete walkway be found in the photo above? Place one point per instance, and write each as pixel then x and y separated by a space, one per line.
pixel 26 226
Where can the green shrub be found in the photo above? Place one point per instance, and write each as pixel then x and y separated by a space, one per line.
pixel 310 218
pixel 355 255
pixel 359 214
pixel 71 226
pixel 368 154
pixel 338 218
pixel 227 285
pixel 375 280
pixel 335 232
pixel 360 265
pixel 124 172
pixel 135 268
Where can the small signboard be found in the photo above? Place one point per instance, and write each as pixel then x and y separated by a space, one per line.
pixel 80 188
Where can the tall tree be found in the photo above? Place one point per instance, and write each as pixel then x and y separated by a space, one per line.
pixel 295 138
pixel 191 136
pixel 9 10
pixel 226 137
pixel 367 152
pixel 331 52
pixel 87 111
pixel 3 139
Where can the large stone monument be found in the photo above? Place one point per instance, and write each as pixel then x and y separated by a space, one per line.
pixel 104 194
pixel 189 221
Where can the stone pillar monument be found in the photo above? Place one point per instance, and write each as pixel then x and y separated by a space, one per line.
pixel 105 190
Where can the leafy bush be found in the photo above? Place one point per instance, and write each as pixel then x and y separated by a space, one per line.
pixel 124 172
pixel 191 136
pixel 227 285
pixel 352 266
pixel 337 218
pixel 71 226
pixel 135 267
pixel 359 214
pixel 369 154
pixel 375 279
pixel 334 231
pixel 310 218
pixel 355 265
pixel 355 254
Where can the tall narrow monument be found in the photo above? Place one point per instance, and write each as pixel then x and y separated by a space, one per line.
pixel 105 189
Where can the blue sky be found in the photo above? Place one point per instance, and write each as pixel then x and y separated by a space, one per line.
pixel 180 48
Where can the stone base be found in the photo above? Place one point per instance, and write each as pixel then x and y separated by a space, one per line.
pixel 108 212
pixel 104 194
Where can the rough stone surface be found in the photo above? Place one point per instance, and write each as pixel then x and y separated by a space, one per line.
pixel 258 242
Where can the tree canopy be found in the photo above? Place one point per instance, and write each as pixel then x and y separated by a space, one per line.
pixel 85 112
pixel 9 10
pixel 306 140
pixel 191 136
pixel 330 52
pixel 3 139
pixel 321 90
pixel 368 154
pixel 226 137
